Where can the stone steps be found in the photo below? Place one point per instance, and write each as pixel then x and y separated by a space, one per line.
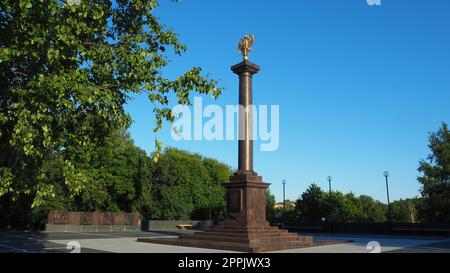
pixel 215 238
pixel 240 239
pixel 232 246
pixel 245 230
pixel 266 245
pixel 242 235
pixel 267 227
pixel 240 247
pixel 259 246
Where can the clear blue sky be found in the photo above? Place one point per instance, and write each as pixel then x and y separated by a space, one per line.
pixel 359 87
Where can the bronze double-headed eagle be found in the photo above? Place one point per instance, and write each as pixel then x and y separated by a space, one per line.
pixel 245 44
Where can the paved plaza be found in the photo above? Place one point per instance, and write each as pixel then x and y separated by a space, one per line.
pixel 125 242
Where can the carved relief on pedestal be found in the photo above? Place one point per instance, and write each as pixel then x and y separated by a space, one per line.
pixel 234 200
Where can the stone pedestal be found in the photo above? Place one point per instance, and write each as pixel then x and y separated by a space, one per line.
pixel 246 228
pixel 246 202
pixel 239 238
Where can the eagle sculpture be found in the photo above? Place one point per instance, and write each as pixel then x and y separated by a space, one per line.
pixel 244 45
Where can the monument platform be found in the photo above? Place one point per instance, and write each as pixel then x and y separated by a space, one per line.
pixel 243 239
pixel 246 228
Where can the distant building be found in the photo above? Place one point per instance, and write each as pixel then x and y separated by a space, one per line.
pixel 279 205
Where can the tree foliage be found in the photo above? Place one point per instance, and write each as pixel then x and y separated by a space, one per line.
pixel 123 177
pixel 184 183
pixel 66 70
pixel 309 204
pixel 271 212
pixel 406 210
pixel 118 178
pixel 315 205
pixel 435 179
pixel 372 210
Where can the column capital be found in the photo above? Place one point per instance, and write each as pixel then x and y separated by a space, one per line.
pixel 245 66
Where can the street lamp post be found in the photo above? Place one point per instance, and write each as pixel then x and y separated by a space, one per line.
pixel 329 178
pixel 284 202
pixel 386 174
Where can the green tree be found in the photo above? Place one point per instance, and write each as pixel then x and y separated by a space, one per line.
pixel 219 174
pixel 435 178
pixel 315 205
pixel 122 174
pixel 309 205
pixel 405 210
pixel 341 207
pixel 182 185
pixel 373 210
pixel 121 181
pixel 291 212
pixel 271 213
pixel 65 73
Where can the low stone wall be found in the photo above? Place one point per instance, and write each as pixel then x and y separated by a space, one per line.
pixel 81 221
pixel 172 224
pixel 373 228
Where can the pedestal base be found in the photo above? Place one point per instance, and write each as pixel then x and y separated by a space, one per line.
pixel 245 228
pixel 238 238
